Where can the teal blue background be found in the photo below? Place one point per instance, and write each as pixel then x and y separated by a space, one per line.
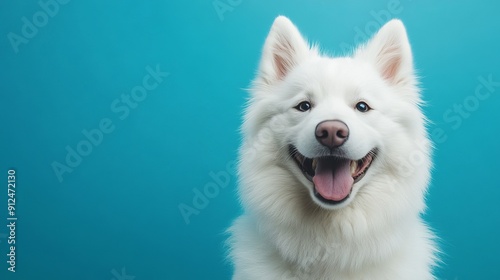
pixel 119 208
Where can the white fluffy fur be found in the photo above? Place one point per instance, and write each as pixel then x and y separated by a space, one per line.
pixel 286 233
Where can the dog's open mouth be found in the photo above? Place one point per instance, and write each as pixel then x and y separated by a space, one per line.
pixel 332 177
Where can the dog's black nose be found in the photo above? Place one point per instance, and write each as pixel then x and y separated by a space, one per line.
pixel 332 133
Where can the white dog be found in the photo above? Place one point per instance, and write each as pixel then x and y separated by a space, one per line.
pixel 334 164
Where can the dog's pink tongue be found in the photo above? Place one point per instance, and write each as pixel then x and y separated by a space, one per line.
pixel 333 178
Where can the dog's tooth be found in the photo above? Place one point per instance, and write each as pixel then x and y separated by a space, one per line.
pixel 354 165
pixel 314 162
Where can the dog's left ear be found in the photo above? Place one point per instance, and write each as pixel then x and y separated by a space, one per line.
pixel 283 50
pixel 389 50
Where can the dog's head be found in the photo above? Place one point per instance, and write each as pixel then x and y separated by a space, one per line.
pixel 336 125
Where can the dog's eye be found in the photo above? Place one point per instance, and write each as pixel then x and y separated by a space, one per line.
pixel 303 106
pixel 362 107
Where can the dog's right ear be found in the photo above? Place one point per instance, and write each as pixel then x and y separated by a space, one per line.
pixel 284 49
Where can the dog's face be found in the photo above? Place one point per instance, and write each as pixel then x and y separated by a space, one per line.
pixel 337 119
pixel 335 126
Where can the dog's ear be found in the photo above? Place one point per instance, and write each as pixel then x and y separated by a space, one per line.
pixel 283 50
pixel 389 51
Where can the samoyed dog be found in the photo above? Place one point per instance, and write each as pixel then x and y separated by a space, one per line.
pixel 334 164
